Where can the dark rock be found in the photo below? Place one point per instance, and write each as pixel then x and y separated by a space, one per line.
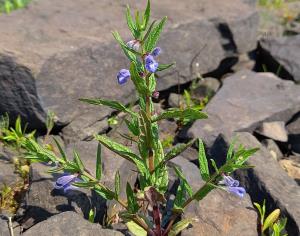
pixel 245 100
pixel 206 87
pixel 273 148
pixel 282 52
pixel 294 141
pixel 69 223
pixel 267 180
pixel 175 100
pixel 19 95
pixel 274 130
pixel 219 213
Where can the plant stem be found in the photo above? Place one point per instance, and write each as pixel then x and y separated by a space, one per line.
pixel 156 219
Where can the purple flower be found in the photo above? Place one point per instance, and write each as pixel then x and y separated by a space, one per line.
pixel 65 182
pixel 133 44
pixel 123 76
pixel 239 191
pixel 229 181
pixel 156 51
pixel 151 64
pixel 232 186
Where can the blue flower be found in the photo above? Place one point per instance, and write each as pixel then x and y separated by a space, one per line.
pixel 232 186
pixel 151 64
pixel 123 76
pixel 156 51
pixel 65 182
pixel 239 191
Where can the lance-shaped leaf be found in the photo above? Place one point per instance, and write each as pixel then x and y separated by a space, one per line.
pixel 78 161
pixel 133 125
pixel 146 15
pixel 135 229
pixel 139 83
pixel 131 25
pixel 123 151
pixel 183 179
pixel 179 226
pixel 153 37
pixel 129 52
pixel 62 153
pixel 188 113
pixel 176 150
pixel 180 196
pixel 230 150
pixel 117 183
pixel 112 104
pixel 99 163
pixel 104 192
pixel 204 171
pixel 162 67
pixel 133 206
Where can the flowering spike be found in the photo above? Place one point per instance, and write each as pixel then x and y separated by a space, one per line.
pixel 232 186
pixel 123 76
pixel 151 64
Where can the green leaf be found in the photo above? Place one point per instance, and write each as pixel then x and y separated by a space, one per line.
pixel 180 196
pixel 131 25
pixel 214 165
pixel 231 149
pixel 129 52
pixel 99 163
pixel 179 226
pixel 162 67
pixel 201 193
pixel 136 229
pixel 204 171
pixel 152 84
pixel 123 151
pixel 92 216
pixel 188 113
pixel 133 206
pixel 82 184
pixel 61 151
pixel 133 126
pixel 112 104
pixel 271 219
pixel 148 31
pixel 117 183
pixel 176 150
pixel 153 37
pixel 187 186
pixel 139 83
pixel 78 161
pixel 146 16
pixel 104 192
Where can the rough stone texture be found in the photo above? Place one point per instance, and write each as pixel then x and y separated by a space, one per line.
pixel 266 181
pixel 68 47
pixel 206 87
pixel 273 148
pixel 175 100
pixel 292 167
pixel 245 100
pixel 219 213
pixel 284 51
pixel 4 230
pixel 18 93
pixel 274 130
pixel 69 223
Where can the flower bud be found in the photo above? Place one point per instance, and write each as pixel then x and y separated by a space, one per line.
pixel 134 44
pixel 155 94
